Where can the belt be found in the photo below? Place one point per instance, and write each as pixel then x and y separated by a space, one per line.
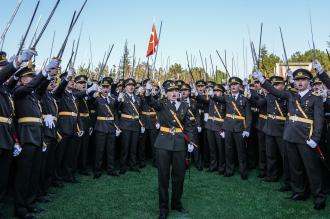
pixel 84 114
pixel 149 113
pixel 172 130
pixel 129 116
pixel 300 119
pixel 67 114
pixel 6 120
pixel 271 116
pixel 262 116
pixel 232 116
pixel 105 118
pixel 54 117
pixel 215 119
pixel 29 119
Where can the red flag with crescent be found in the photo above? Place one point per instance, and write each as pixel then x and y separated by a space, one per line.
pixel 153 41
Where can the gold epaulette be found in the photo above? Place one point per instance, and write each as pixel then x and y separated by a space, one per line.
pixel 316 94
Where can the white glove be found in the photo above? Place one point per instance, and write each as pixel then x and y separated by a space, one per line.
pixel 92 89
pixel 143 129
pixel 26 55
pixel 290 76
pixel 324 94
pixel 210 92
pixel 222 134
pixel 17 150
pixel 245 134
pixel 80 133
pixel 245 82
pixel 70 74
pixel 53 64
pixel 247 91
pixel 12 58
pixel 194 91
pixel 149 86
pixel 311 143
pixel 89 82
pixel 121 97
pixel 258 75
pixel 139 90
pixel 199 129
pixel 118 131
pixel 90 131
pixel 206 117
pixel 317 66
pixel 226 87
pixel 49 121
pixel 157 125
pixel 44 148
pixel 190 148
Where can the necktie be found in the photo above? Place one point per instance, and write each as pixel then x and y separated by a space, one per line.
pixel 173 105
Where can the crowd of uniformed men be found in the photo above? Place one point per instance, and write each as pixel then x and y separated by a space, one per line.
pixel 56 125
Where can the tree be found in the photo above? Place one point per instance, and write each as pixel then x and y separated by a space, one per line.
pixel 309 56
pixel 268 62
pixel 125 63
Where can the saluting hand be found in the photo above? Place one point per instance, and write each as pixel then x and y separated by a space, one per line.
pixel 26 56
pixel 317 66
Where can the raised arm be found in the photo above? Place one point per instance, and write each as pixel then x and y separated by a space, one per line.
pixel 22 91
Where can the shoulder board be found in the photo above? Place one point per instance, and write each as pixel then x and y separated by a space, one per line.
pixel 315 94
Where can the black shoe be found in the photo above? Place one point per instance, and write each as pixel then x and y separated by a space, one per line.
pixel 74 180
pixel 57 184
pixel 221 172
pixel 25 216
pixel 319 206
pixel 36 210
pixel 284 189
pixel 84 172
pixel 261 175
pixel 134 169
pixel 270 179
pixel 228 174
pixel 113 173
pixel 244 177
pixel 43 199
pixel 199 168
pixel 211 170
pixel 181 210
pixel 142 165
pixel 97 175
pixel 162 215
pixel 298 197
pixel 122 171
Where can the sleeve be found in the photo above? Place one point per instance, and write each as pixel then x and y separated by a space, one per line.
pixel 248 116
pixel 318 119
pixel 59 91
pixel 325 79
pixel 275 92
pixel 22 91
pixel 257 100
pixel 6 72
pixel 156 104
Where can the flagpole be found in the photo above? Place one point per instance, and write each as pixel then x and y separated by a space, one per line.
pixel 148 73
pixel 160 32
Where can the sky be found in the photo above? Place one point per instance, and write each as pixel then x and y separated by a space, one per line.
pixel 188 25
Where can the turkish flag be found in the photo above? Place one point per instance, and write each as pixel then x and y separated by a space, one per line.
pixel 153 41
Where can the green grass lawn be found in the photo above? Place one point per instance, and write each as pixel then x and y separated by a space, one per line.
pixel 206 195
